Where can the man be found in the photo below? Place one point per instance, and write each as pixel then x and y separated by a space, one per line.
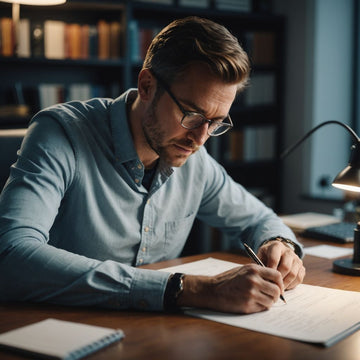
pixel 104 186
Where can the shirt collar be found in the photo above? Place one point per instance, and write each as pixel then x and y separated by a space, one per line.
pixel 121 134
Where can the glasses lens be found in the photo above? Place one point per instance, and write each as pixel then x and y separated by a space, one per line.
pixel 192 121
pixel 216 128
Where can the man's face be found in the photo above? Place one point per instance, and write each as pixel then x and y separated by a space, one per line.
pixel 197 91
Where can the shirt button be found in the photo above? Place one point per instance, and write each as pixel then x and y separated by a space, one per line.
pixel 141 261
pixel 146 229
pixel 139 166
pixel 137 181
pixel 143 249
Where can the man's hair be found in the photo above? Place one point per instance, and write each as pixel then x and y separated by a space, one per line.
pixel 193 39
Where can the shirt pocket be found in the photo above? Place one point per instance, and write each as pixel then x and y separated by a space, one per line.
pixel 176 234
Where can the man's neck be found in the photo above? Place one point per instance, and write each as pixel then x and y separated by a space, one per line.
pixel 146 154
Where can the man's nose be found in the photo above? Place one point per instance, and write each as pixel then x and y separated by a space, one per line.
pixel 200 134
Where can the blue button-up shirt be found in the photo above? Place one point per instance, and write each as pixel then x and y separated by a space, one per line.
pixel 76 221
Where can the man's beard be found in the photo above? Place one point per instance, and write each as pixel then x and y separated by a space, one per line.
pixel 155 136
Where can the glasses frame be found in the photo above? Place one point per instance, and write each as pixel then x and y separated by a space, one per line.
pixel 186 113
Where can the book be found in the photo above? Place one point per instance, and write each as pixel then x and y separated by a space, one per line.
pixel 73 41
pixel 236 145
pixel 7 37
pixel 312 314
pixel 233 5
pixel 23 39
pixel 261 90
pixel 259 143
pixel 195 3
pixel 85 41
pixel 104 39
pixel 93 41
pixel 115 40
pixel 58 339
pixel 302 221
pixel 54 39
pixel 261 47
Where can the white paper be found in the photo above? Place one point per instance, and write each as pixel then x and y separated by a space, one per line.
pixel 312 314
pixel 327 251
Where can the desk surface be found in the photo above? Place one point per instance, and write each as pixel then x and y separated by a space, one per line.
pixel 167 336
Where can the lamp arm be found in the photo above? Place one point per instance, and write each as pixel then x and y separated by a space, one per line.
pixel 293 147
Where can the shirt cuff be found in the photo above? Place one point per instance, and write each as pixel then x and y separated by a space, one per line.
pixel 147 290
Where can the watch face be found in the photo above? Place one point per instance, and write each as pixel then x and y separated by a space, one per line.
pixel 180 286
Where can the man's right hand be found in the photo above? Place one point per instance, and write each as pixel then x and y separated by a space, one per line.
pixel 246 289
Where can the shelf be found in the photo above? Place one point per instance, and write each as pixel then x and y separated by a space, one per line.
pixel 116 75
pixel 62 62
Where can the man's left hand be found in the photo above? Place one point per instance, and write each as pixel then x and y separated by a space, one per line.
pixel 279 256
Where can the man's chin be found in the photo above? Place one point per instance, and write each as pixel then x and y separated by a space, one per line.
pixel 176 161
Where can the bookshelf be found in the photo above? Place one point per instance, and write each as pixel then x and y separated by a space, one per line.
pixel 249 152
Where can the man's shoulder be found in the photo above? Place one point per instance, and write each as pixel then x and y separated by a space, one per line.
pixel 77 109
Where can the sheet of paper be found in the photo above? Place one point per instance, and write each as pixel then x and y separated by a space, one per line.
pixel 327 251
pixel 209 266
pixel 312 314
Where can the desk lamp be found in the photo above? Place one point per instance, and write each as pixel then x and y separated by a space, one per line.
pixel 349 180
pixel 16 9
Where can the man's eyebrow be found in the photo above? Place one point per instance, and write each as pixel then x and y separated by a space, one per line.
pixel 196 108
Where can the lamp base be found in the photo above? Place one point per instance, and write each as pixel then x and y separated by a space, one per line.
pixel 346 267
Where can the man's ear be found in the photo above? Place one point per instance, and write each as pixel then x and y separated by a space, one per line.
pixel 146 85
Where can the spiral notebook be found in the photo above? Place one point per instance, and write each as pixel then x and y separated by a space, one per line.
pixel 58 339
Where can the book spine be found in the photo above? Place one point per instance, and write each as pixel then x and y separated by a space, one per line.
pixel 7 37
pixel 23 39
pixel 54 39
pixel 104 40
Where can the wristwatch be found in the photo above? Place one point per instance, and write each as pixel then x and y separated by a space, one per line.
pixel 291 244
pixel 174 288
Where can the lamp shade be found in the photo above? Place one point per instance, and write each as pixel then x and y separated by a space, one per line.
pixel 349 178
pixel 35 2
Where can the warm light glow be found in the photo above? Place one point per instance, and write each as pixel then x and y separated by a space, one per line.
pixel 36 2
pixel 347 187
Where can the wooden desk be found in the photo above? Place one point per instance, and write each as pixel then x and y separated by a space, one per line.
pixel 178 337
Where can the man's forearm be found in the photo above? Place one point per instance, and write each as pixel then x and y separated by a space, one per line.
pixel 34 271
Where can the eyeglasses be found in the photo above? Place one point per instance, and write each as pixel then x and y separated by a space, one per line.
pixel 192 120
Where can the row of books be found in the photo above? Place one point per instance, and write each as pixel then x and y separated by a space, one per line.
pixel 35 98
pixel 260 46
pixel 251 144
pixel 234 5
pixel 261 90
pixel 55 39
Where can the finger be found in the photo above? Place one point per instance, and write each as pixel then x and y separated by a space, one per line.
pixel 288 264
pixel 291 283
pixel 271 255
pixel 291 270
pixel 261 297
pixel 273 278
pixel 270 294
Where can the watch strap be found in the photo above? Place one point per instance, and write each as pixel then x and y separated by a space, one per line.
pixel 174 288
